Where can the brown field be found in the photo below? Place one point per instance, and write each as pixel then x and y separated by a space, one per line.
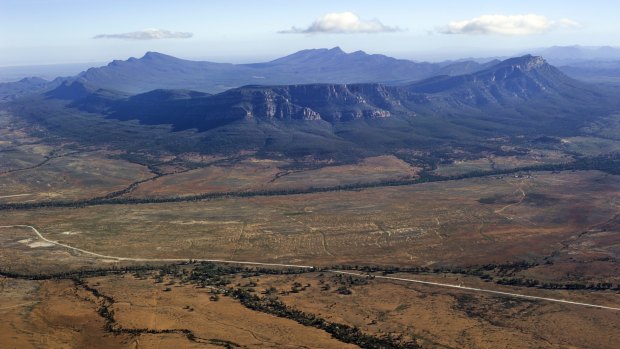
pixel 60 314
pixel 31 171
pixel 70 177
pixel 22 252
pixel 254 174
pixel 474 221
pixel 443 318
pixel 144 305
pixel 566 225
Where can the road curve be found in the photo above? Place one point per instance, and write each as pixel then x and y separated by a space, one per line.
pixel 430 283
pixel 171 260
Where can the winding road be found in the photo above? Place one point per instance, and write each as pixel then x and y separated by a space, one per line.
pixel 13 196
pixel 171 260
pixel 430 283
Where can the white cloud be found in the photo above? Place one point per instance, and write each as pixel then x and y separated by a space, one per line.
pixel 569 23
pixel 507 25
pixel 146 34
pixel 342 23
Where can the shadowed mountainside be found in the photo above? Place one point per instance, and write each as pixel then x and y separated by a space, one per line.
pixel 516 97
pixel 507 85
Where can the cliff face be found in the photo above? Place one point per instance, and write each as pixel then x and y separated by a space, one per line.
pixel 507 86
pixel 327 102
pixel 268 104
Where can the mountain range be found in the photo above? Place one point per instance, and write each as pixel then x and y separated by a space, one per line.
pixel 505 84
pixel 568 55
pixel 25 86
pixel 159 71
pixel 156 70
pixel 523 96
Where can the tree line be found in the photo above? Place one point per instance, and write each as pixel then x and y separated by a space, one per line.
pixel 606 163
pixel 342 332
pixel 486 271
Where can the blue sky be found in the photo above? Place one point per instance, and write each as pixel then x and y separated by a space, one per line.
pixel 64 31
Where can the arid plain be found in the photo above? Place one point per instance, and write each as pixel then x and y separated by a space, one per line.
pixel 121 259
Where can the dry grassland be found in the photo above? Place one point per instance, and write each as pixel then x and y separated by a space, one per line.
pixel 253 174
pixel 474 221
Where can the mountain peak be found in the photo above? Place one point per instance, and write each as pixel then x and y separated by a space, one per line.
pixel 336 50
pixel 506 83
pixel 525 63
pixel 312 54
pixel 152 55
pixel 166 95
pixel 33 80
pixel 72 89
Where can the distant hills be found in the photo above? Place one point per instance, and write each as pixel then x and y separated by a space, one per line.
pixel 599 64
pixel 518 96
pixel 462 104
pixel 334 66
pixel 25 86
pixel 47 71
pixel 568 55
pixel 155 70
pixel 606 72
pixel 506 84
pixel 159 71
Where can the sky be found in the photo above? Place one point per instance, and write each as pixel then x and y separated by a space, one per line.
pixel 34 32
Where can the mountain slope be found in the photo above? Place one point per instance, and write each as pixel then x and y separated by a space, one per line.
pixel 12 90
pixel 523 97
pixel 155 70
pixel 507 83
pixel 523 94
pixel 503 88
pixel 334 66
pixel 568 55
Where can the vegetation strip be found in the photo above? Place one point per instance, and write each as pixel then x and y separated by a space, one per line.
pixel 483 272
pixel 112 326
pixel 341 332
pixel 517 295
pixel 214 276
pixel 609 164
pixel 45 161
pixel 311 268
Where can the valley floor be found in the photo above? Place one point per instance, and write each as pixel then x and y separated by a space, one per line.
pixel 100 250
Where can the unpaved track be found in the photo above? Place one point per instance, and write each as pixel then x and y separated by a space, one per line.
pixel 151 259
pixel 523 195
pixel 429 283
pixel 13 196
